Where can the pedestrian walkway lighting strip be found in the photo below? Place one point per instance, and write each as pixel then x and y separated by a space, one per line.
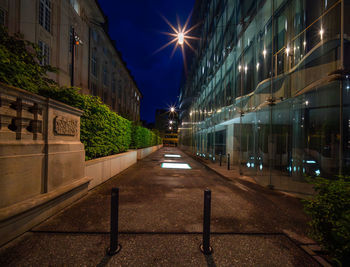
pixel 172 156
pixel 184 166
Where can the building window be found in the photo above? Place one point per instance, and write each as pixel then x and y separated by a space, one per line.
pixel 94 63
pixel 44 53
pixel 105 75
pixel 94 35
pixel 45 14
pixel 2 17
pixel 113 86
pixel 93 89
pixel 75 5
pixel 105 96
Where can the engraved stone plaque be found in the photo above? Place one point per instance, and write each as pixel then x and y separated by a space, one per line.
pixel 65 126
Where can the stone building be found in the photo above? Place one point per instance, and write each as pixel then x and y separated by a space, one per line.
pixel 98 67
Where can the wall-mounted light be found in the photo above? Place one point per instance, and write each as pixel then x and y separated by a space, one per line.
pixel 321 33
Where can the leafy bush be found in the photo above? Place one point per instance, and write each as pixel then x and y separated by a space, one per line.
pixel 330 216
pixel 143 137
pixel 102 131
pixel 19 65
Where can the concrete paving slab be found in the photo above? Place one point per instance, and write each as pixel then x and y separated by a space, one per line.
pixel 153 250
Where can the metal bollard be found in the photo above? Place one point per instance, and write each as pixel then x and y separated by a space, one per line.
pixel 205 247
pixel 228 161
pixel 114 247
pixel 220 159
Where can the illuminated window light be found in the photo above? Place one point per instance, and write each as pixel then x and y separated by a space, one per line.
pixel 172 156
pixel 184 166
pixel 264 53
pixel 287 51
pixel 239 68
pixel 311 161
pixel 321 33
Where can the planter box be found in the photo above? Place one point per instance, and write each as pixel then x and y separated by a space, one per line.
pixel 144 152
pixel 102 169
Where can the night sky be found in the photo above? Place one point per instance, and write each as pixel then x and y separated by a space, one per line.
pixel 136 25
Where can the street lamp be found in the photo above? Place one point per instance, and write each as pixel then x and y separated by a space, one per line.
pixel 172 109
pixel 181 38
pixel 75 42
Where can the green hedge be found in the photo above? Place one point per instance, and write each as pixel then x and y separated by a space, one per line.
pixel 330 216
pixel 143 137
pixel 102 131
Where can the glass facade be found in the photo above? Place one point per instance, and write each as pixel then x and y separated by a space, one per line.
pixel 269 85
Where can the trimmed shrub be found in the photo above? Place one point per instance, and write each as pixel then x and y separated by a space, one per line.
pixel 143 137
pixel 102 131
pixel 330 216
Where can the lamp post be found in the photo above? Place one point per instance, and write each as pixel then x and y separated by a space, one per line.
pixel 75 42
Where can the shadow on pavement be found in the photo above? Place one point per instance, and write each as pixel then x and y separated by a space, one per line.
pixel 210 260
pixel 104 261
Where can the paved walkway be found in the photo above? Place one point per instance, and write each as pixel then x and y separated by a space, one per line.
pixel 160 220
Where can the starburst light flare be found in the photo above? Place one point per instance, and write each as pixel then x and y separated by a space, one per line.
pixel 180 37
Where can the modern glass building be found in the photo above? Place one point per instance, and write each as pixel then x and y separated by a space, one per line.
pixel 270 85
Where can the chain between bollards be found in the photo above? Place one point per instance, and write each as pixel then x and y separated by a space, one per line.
pixel 205 247
pixel 114 247
pixel 228 161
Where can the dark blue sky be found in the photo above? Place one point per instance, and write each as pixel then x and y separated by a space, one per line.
pixel 136 25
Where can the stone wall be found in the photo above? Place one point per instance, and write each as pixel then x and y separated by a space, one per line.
pixel 102 169
pixel 144 152
pixel 42 161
